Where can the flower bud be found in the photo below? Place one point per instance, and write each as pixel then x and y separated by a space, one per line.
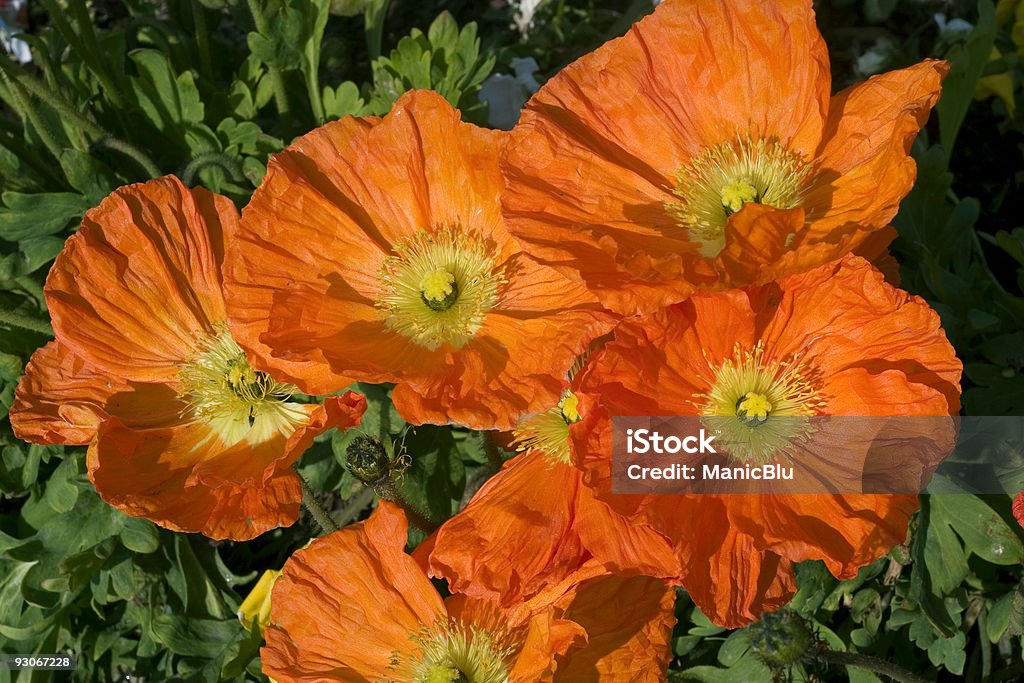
pixel 780 639
pixel 367 459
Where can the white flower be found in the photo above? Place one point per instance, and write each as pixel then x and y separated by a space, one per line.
pixel 10 25
pixel 876 58
pixel 953 28
pixel 505 95
pixel 523 14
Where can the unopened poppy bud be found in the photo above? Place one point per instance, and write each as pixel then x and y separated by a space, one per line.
pixel 780 639
pixel 367 459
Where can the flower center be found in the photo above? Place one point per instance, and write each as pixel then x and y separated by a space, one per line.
pixel 438 287
pixel 457 654
pixel 754 406
pixel 223 391
pixel 757 407
pixel 439 290
pixel 720 180
pixel 548 432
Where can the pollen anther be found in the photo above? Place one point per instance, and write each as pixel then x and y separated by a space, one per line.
pixel 454 653
pixel 224 392
pixel 438 287
pixel 718 181
pixel 759 407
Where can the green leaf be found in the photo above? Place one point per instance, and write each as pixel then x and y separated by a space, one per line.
pixel 87 174
pixel 140 535
pixel 930 577
pixel 194 637
pixel 342 101
pixel 967 66
pixel 169 101
pixel 445 60
pixel 949 652
pixel 434 482
pixel 25 216
pixel 62 489
pixel 983 530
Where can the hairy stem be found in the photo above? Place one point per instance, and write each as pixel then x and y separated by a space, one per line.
pixel 230 166
pixel 132 152
pixel 872 664
pixel 323 519
pixel 387 490
pixel 353 506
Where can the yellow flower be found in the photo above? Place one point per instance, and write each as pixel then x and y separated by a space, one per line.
pixel 1000 84
pixel 255 609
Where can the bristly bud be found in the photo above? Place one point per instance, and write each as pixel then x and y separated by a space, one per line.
pixel 780 639
pixel 368 460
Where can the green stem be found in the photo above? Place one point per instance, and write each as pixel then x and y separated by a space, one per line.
pixel 316 102
pixel 387 490
pixel 11 319
pixel 16 76
pixel 373 16
pixel 132 152
pixel 85 44
pixel 230 166
pixel 18 147
pixel 202 41
pixel 491 451
pixel 872 664
pixel 309 500
pixel 51 98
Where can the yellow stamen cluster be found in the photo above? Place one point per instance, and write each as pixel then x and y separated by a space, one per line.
pixel 548 432
pixel 718 181
pixel 759 407
pixel 224 392
pixel 438 287
pixel 454 653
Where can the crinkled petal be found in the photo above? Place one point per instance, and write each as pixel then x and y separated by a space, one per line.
pixel 343 199
pixel 865 167
pixel 140 281
pixel 61 399
pixel 589 174
pixel 347 603
pixel 516 536
pixel 181 476
pixel 628 621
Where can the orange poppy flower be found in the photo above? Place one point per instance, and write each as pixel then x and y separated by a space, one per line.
pixel 837 340
pixel 353 606
pixel 535 520
pixel 181 429
pixel 398 268
pixel 703 150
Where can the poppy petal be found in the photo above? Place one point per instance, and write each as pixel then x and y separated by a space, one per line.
pixel 140 281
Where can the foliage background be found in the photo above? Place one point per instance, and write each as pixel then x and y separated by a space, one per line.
pixel 122 91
